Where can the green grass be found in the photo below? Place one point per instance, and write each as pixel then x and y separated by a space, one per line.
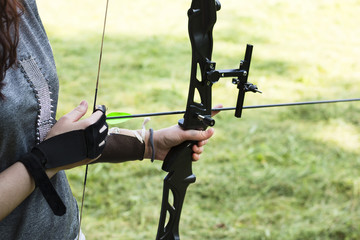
pixel 289 173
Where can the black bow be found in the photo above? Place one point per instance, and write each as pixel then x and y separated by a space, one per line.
pixel 178 162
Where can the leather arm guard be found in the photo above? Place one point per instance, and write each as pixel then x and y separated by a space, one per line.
pixel 122 148
pixel 61 150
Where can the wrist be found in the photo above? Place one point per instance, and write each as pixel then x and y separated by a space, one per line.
pixel 149 152
pixel 34 165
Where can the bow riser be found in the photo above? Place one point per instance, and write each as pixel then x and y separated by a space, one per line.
pixel 202 17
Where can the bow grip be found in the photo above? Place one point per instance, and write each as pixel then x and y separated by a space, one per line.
pixel 178 162
pixel 176 154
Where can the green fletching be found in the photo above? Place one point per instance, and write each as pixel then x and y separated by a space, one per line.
pixel 119 120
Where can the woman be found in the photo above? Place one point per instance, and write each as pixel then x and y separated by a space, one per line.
pixel 34 147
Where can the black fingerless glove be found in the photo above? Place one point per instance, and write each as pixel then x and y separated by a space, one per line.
pixel 61 150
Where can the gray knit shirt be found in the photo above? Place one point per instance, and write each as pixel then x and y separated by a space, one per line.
pixel 26 115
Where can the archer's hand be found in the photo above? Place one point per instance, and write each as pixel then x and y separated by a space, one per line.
pixel 165 139
pixel 71 122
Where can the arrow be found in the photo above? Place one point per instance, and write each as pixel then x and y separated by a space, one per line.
pixel 112 116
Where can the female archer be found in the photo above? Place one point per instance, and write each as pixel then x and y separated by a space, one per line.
pixel 35 198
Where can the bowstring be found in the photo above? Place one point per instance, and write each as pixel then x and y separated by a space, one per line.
pixel 94 108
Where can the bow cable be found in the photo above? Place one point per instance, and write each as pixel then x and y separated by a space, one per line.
pixel 94 107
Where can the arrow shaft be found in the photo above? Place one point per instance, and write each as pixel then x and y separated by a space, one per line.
pixel 245 107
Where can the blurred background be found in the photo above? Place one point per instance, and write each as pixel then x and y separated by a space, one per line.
pixel 280 173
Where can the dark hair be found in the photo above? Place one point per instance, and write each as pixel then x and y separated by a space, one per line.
pixel 10 12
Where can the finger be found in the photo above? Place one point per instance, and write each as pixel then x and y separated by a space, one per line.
pixel 197 149
pixel 195 157
pixel 90 120
pixel 202 143
pixel 100 108
pixel 213 113
pixel 78 112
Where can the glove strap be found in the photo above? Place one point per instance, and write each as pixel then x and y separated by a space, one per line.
pixel 37 171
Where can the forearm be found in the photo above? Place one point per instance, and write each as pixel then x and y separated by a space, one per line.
pixel 123 146
pixel 116 150
pixel 16 184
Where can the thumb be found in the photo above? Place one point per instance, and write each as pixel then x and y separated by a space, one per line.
pixel 78 112
pixel 197 135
